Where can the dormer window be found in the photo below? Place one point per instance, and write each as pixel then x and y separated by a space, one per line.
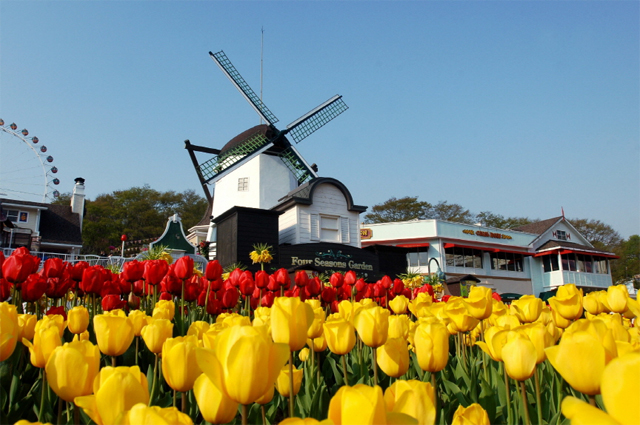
pixel 243 184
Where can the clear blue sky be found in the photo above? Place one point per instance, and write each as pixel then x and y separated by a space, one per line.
pixel 519 108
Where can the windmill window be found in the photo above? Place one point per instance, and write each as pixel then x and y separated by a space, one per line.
pixel 329 229
pixel 243 184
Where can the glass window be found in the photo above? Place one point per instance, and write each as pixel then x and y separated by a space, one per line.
pixel 561 234
pixel 600 265
pixel 243 184
pixel 423 258
pixel 507 261
pixel 464 257
pixel 550 263
pixel 12 215
pixel 413 259
pixel 569 262
pixel 588 264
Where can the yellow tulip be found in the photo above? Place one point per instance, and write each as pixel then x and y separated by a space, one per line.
pixel 399 326
pixel 340 335
pixel 474 414
pixel 52 320
pixel 305 421
pixel 290 321
pixel 10 330
pixel 214 403
pixel 114 334
pixel 598 328
pixel 27 326
pixel 72 368
pixel 527 309
pixel 568 302
pixel 494 339
pixel 142 414
pixel 45 340
pixel 617 296
pixel 519 356
pixel 155 333
pixel 78 319
pixel 320 344
pixel 420 305
pixel 348 310
pixel 26 422
pixel 593 304
pixel 250 362
pixel 393 357
pixel 319 316
pixel 480 302
pixel 372 325
pixel 559 320
pixel 164 309
pixel 232 319
pixel 414 398
pixel 399 305
pixel 580 413
pixel 303 355
pixel 198 328
pixel 209 337
pixel 360 404
pixel 179 366
pixel 498 310
pixel 115 390
pixel 545 316
pixel 138 320
pixel 621 388
pixel 580 359
pixel 539 337
pixel 461 318
pixel 282 382
pixel 431 344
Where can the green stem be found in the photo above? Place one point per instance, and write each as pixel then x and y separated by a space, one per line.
pixel 174 398
pixel 59 417
pixel 592 400
pixel 344 369
pixel 182 308
pixel 155 379
pixel 263 414
pixel 523 393
pixel 183 396
pixel 244 414
pixel 42 396
pixel 137 343
pixel 292 395
pixel 76 414
pixel 538 401
pixel 434 384
pixel 375 366
pixel 508 392
pixel 113 361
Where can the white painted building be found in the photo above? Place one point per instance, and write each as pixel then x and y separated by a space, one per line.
pixel 529 259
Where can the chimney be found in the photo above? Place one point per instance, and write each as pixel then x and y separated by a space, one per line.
pixel 77 199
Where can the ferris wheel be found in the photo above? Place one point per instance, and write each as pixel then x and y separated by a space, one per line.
pixel 26 167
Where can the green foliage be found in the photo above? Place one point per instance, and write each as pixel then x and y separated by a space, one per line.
pixel 403 209
pixel 139 212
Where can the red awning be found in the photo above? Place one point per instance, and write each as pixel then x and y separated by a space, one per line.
pixel 413 245
pixel 559 250
pixel 482 248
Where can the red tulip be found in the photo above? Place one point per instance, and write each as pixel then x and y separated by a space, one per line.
pixel 398 286
pixel 378 290
pixel 328 294
pixel 267 299
pixel 5 289
pixel 192 288
pixel 53 267
pixel 183 268
pixel 345 292
pixel 166 296
pixel 213 271
pixel 230 298
pixel 57 287
pixel 262 279
pixel 113 302
pixel 313 288
pixel 77 269
pixel 33 288
pixel 301 278
pixel 154 271
pixel 386 282
pixel 1 262
pixel 361 285
pixel 19 265
pixel 336 280
pixel 282 277
pixel 110 287
pixel 132 271
pixel 93 278
pixel 171 284
pixel 246 283
pixel 350 278
pixel 214 306
pixel 496 296
pixel 234 277
pixel 57 310
pixel 273 284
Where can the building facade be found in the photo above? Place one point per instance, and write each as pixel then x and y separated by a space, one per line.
pixel 531 259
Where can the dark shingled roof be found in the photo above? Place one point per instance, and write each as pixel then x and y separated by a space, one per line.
pixel 59 225
pixel 539 227
pixel 550 244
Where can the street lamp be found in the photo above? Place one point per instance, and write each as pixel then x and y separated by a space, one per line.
pixel 439 274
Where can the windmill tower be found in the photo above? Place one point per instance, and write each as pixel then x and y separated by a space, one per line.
pixel 260 165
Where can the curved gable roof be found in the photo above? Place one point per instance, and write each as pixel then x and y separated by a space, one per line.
pixel 304 195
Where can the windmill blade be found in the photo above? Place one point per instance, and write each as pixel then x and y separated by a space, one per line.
pixel 230 71
pixel 212 170
pixel 297 165
pixel 316 118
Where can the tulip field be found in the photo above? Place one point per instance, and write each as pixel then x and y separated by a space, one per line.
pixel 162 343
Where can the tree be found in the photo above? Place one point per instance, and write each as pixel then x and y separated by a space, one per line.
pixel 403 209
pixel 599 234
pixel 139 212
pixel 489 219
pixel 451 212
pixel 627 267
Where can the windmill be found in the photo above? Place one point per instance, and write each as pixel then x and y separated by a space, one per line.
pixel 264 140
